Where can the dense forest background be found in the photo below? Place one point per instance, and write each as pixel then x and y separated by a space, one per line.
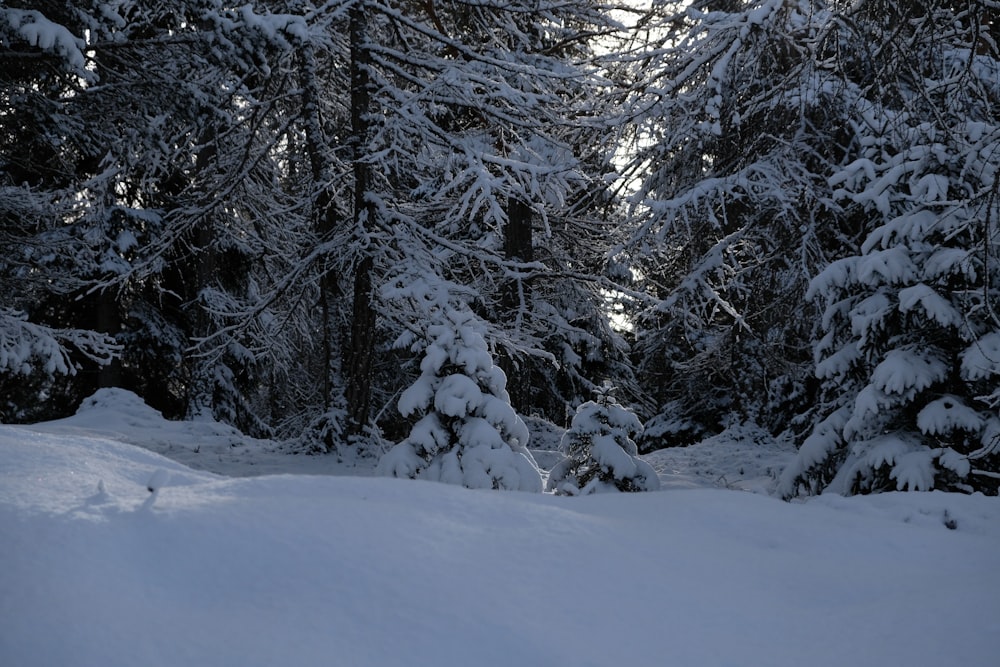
pixel 288 215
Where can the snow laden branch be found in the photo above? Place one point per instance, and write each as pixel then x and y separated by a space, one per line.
pixel 26 347
pixel 31 27
pixel 906 353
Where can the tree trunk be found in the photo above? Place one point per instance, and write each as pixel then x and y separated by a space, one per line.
pixel 201 394
pixel 518 244
pixel 359 379
pixel 515 294
pixel 359 366
pixel 109 322
pixel 325 215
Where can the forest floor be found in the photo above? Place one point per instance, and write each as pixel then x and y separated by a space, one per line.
pixel 744 458
pixel 130 540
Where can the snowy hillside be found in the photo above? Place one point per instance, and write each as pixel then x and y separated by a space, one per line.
pixel 334 570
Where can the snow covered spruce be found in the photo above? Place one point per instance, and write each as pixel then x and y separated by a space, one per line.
pixel 469 434
pixel 600 451
pixel 908 357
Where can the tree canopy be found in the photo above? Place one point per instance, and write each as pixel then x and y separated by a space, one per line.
pixel 776 211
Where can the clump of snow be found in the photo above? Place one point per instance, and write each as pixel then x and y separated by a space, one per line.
pixel 890 266
pixel 157 480
pixel 906 371
pixel 955 462
pixel 935 307
pixel 124 405
pixel 38 31
pixel 981 360
pixel 911 464
pixel 947 414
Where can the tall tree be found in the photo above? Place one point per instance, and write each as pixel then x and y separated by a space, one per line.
pixel 366 220
pixel 44 155
pixel 736 120
pixel 469 122
pixel 909 354
pixel 164 131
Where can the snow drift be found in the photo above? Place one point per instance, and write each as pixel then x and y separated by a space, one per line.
pixel 319 570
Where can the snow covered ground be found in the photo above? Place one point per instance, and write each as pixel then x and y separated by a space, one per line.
pixel 325 569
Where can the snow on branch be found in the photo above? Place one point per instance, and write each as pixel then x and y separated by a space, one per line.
pixel 38 31
pixel 25 347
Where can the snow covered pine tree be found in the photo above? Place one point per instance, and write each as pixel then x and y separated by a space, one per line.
pixel 733 132
pixel 600 451
pixel 469 433
pixel 910 359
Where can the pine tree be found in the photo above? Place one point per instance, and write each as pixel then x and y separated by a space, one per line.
pixel 601 453
pixel 50 353
pixel 172 218
pixel 909 353
pixel 467 433
pixel 224 193
pixel 735 122
pixel 471 157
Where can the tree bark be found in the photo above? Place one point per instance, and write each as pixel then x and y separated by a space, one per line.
pixel 518 243
pixel 518 247
pixel 359 366
pixel 109 322
pixel 325 215
pixel 201 394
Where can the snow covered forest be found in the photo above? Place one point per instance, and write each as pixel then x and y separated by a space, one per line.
pixel 409 229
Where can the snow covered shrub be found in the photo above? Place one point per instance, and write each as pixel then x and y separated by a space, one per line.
pixel 468 433
pixel 601 453
pixel 910 348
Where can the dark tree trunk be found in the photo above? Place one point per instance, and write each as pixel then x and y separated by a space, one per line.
pixel 109 322
pixel 359 378
pixel 516 293
pixel 359 367
pixel 201 394
pixel 325 214
pixel 517 236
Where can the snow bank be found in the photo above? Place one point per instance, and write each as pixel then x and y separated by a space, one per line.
pixel 203 444
pixel 310 570
pixel 744 457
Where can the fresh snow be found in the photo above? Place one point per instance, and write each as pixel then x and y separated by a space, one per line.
pixel 348 570
pixel 946 414
pixel 33 27
pixel 907 371
pixel 982 359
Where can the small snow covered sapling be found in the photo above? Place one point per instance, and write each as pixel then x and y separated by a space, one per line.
pixel 469 433
pixel 601 453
